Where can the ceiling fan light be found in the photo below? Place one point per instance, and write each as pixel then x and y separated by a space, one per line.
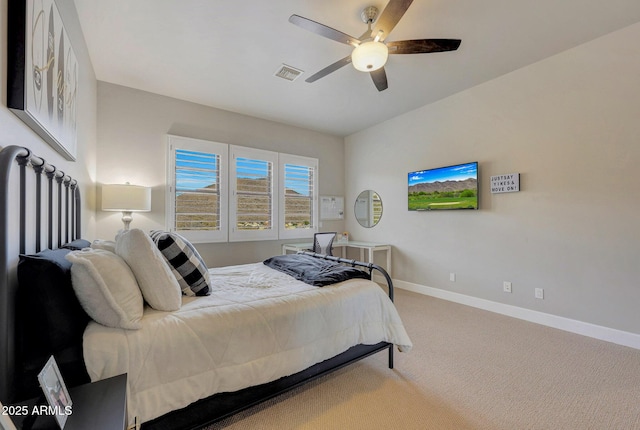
pixel 369 56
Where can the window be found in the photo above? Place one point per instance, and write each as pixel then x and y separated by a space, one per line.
pixel 198 195
pixel 298 196
pixel 219 192
pixel 252 209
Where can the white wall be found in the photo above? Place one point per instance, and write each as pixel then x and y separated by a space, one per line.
pixel 132 130
pixel 14 132
pixel 570 125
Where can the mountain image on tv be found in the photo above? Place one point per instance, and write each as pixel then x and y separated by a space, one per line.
pixel 451 187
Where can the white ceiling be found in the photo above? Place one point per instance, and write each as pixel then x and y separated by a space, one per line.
pixel 225 53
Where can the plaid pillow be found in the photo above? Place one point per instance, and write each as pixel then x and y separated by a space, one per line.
pixel 185 262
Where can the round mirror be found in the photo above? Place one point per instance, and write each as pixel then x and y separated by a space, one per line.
pixel 368 208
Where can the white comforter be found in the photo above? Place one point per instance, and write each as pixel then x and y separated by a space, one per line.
pixel 257 326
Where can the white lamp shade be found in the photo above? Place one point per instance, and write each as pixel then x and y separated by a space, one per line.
pixel 370 56
pixel 126 198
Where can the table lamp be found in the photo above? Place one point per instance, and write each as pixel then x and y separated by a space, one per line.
pixel 126 198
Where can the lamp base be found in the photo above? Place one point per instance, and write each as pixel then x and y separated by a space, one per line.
pixel 126 219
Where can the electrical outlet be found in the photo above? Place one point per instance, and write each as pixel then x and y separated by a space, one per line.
pixel 539 293
pixel 452 277
pixel 506 287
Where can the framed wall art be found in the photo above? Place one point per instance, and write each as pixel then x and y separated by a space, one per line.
pixel 42 73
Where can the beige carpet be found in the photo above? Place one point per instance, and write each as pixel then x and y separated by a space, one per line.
pixel 469 369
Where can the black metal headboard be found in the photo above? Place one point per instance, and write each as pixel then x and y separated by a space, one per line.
pixel 62 200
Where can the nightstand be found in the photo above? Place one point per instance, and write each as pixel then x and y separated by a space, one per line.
pixel 100 405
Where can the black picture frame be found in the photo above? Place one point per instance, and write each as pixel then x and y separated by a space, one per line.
pixel 42 73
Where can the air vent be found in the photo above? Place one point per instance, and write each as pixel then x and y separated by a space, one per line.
pixel 287 72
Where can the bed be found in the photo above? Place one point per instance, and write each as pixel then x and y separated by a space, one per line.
pixel 259 333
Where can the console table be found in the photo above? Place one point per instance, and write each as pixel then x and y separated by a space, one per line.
pixel 370 247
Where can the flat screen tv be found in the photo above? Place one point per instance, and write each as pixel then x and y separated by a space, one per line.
pixel 444 188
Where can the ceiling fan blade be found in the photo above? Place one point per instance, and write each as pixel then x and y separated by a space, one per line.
pixel 323 30
pixel 329 69
pixel 422 46
pixel 380 79
pixel 390 16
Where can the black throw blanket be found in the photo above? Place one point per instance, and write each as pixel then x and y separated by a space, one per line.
pixel 314 271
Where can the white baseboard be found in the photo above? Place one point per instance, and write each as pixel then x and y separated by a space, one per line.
pixel 619 337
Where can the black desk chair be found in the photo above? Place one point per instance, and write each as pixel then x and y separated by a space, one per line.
pixel 322 242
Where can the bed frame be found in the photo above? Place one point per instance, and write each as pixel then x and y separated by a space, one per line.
pixel 62 199
pixel 63 211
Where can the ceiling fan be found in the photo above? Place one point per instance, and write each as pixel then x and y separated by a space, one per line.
pixel 370 52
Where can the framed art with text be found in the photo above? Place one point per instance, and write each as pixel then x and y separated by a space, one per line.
pixel 42 73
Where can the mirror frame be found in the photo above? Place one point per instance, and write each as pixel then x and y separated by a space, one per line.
pixel 367 202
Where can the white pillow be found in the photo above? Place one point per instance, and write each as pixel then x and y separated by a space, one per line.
pixel 158 285
pixel 108 245
pixel 106 288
